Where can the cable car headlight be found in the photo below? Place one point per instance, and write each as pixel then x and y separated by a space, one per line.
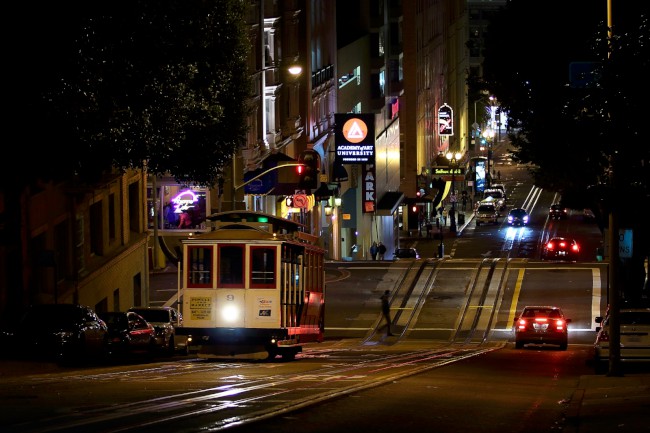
pixel 230 313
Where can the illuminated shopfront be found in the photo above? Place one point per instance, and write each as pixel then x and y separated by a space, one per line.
pixel 178 207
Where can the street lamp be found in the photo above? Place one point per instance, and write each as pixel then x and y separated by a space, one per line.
pixel 454 159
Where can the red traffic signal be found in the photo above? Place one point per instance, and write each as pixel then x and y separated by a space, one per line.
pixel 308 171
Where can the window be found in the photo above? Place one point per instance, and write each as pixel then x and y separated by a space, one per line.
pixel 199 267
pixel 263 267
pixel 231 266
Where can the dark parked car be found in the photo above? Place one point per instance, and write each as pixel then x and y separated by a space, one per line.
pixel 518 217
pixel 560 248
pixel 63 332
pixel 558 211
pixel 129 334
pixel 541 325
pixel 165 320
pixel 406 253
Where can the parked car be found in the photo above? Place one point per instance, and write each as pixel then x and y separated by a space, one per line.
pixel 634 337
pixel 486 212
pixel 541 325
pixel 406 253
pixel 165 320
pixel 558 211
pixel 559 248
pixel 518 217
pixel 68 333
pixel 129 334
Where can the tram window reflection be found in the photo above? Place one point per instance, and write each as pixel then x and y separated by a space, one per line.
pixel 263 267
pixel 231 266
pixel 200 269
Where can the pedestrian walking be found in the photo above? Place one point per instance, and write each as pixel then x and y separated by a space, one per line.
pixel 381 249
pixel 385 310
pixel 374 250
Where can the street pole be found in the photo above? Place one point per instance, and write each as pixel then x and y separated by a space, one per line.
pixel 489 136
pixel 453 159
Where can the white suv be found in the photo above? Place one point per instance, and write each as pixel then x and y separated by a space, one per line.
pixel 486 212
pixel 634 335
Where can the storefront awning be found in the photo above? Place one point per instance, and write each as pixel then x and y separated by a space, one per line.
pixel 389 202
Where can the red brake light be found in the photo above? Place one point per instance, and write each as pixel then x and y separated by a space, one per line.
pixel 562 244
pixel 575 248
pixel 550 246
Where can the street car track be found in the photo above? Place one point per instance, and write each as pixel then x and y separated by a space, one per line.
pixel 251 397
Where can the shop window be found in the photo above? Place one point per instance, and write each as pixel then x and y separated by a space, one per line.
pixel 199 264
pixel 178 208
pixel 263 267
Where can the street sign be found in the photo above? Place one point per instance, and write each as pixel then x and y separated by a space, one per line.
pixel 625 244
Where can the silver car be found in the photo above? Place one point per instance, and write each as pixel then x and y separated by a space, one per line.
pixel 634 337
pixel 165 320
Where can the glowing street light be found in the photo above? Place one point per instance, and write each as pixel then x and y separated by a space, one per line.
pixel 454 160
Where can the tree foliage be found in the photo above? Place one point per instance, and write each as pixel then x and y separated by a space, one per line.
pixel 582 133
pixel 570 127
pixel 160 83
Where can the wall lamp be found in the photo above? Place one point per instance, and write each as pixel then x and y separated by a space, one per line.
pixel 295 70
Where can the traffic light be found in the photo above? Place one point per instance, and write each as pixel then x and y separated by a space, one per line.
pixel 308 171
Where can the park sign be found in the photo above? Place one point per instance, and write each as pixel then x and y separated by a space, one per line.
pixel 354 135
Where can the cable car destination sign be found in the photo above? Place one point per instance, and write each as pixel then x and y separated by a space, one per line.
pixel 354 136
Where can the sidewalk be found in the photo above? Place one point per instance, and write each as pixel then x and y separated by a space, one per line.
pixel 610 404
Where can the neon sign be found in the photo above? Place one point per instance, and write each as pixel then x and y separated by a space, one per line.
pixel 184 201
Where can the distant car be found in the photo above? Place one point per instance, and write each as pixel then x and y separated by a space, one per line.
pixel 498 195
pixel 406 253
pixel 541 325
pixel 486 212
pixel 634 337
pixel 558 211
pixel 518 217
pixel 499 186
pixel 165 320
pixel 67 333
pixel 129 334
pixel 559 248
pixel 588 215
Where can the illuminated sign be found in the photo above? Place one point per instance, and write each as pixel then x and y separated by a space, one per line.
pixel 445 120
pixel 369 188
pixel 355 138
pixel 184 200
